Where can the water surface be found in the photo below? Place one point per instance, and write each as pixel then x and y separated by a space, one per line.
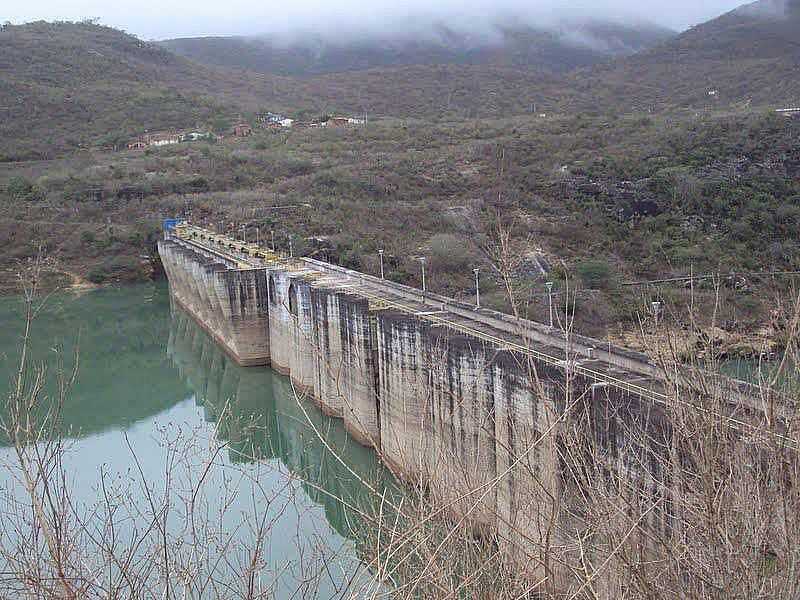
pixel 151 383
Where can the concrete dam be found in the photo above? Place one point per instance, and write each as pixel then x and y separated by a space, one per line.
pixel 466 401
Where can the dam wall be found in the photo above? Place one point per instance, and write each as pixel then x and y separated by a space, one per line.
pixel 231 304
pixel 473 406
pixel 432 400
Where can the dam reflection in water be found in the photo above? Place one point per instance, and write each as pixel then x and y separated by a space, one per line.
pixel 257 413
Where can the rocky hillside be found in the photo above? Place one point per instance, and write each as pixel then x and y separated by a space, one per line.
pixel 65 86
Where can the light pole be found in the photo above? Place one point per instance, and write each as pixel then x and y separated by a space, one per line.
pixel 380 253
pixel 477 288
pixel 291 247
pixel 244 233
pixel 258 237
pixel 272 235
pixel 422 260
pixel 549 286
pixel 656 311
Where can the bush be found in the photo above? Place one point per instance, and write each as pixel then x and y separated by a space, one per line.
pixel 22 190
pixel 596 274
pixel 116 269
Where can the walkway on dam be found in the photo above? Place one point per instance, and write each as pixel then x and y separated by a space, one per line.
pixel 599 362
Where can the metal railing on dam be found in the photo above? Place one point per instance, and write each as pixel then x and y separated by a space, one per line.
pixel 451 395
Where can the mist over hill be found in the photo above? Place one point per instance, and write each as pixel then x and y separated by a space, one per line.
pixel 556 48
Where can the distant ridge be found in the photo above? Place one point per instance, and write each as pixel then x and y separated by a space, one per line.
pixel 556 50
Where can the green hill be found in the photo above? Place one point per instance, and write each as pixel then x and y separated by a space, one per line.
pixel 66 86
pixel 69 85
pixel 750 55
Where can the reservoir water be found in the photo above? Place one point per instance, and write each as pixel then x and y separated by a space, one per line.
pixel 159 410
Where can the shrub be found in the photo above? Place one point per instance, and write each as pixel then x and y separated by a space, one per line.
pixel 596 274
pixel 116 269
pixel 22 190
pixel 97 275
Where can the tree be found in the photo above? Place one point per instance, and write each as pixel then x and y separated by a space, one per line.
pixel 595 274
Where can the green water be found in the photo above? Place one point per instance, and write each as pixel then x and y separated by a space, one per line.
pixel 762 372
pixel 150 379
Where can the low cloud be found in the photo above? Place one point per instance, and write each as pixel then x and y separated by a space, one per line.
pixel 155 19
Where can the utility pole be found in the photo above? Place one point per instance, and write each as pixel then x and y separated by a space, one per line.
pixel 272 234
pixel 549 286
pixel 422 260
pixel 380 253
pixel 258 237
pixel 244 234
pixel 291 247
pixel 477 288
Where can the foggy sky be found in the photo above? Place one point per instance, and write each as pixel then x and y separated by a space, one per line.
pixel 160 19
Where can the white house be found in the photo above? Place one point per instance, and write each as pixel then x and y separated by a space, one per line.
pixel 164 141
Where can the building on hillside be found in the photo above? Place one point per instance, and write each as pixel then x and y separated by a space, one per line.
pixel 196 136
pixel 242 130
pixel 163 139
pixel 356 121
pixel 137 145
pixel 789 112
pixel 268 118
pixel 338 122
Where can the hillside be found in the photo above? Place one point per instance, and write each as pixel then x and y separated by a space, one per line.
pixel 751 54
pixel 559 49
pixel 66 86
pixel 610 200
pixel 69 85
